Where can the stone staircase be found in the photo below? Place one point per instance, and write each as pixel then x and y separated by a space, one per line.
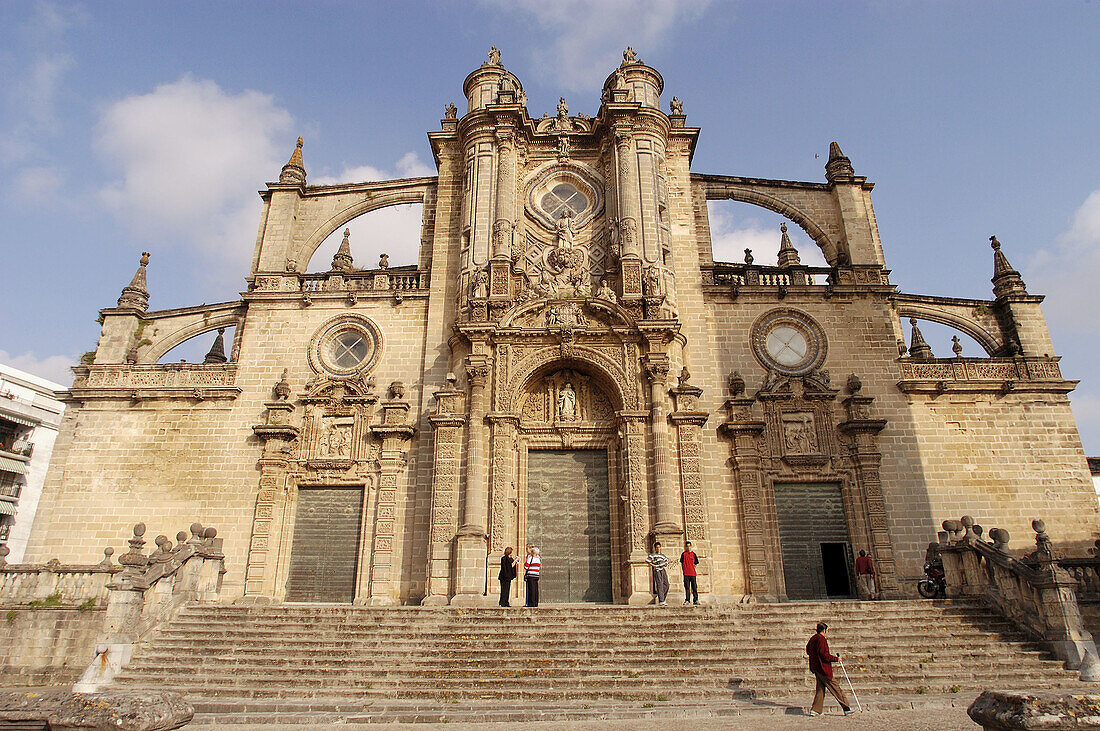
pixel 301 664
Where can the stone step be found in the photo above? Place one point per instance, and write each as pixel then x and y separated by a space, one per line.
pixel 514 659
pixel 579 681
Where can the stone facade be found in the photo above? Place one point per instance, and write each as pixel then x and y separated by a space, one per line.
pixel 566 298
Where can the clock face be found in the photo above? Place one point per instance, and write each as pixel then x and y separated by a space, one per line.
pixel 788 341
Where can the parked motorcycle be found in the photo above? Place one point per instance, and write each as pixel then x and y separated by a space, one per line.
pixel 934 583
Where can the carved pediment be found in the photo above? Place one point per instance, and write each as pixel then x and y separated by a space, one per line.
pixel 552 314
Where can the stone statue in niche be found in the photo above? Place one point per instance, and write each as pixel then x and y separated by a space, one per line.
pixel 606 293
pixel 798 434
pixel 652 282
pixel 566 235
pixel 481 285
pixel 567 403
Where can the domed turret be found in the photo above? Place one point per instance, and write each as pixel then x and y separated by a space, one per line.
pixel 633 81
pixel 491 84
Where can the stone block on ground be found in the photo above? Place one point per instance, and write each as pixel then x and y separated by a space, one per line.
pixel 997 711
pixel 63 709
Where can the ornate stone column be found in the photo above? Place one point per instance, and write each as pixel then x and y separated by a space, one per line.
pixel 863 433
pixel 632 429
pixel 448 420
pixel 630 261
pixel 502 489
pixel 277 435
pixel 744 432
pixel 689 421
pixel 472 547
pixel 667 528
pixel 394 432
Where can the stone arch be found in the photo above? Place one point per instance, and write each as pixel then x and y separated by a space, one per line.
pixel 185 331
pixel 815 229
pixel 990 342
pixel 600 367
pixel 366 201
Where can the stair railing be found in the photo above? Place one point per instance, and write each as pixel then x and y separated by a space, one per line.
pixel 1035 592
pixel 150 590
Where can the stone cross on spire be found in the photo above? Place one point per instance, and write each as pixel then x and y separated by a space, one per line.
pixel 294 172
pixel 136 294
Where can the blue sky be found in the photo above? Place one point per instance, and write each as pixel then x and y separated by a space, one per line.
pixel 131 126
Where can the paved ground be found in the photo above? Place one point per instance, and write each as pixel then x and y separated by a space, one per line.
pixel 916 713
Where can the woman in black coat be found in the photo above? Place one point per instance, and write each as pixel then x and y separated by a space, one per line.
pixel 507 572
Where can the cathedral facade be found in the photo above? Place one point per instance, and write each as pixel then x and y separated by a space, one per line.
pixel 566 366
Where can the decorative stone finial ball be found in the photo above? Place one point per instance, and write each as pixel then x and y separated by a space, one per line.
pixel 967 521
pixel 181 537
pixel 1039 526
pixel 108 552
pixel 196 530
pixel 139 530
pixel 978 530
pixel 161 540
pixel 210 533
pixel 952 526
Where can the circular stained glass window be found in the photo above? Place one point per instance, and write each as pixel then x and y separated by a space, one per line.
pixel 562 197
pixel 788 341
pixel 349 349
pixel 345 346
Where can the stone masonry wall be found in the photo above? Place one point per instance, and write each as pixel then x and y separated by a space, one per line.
pixel 171 462
pixel 47 645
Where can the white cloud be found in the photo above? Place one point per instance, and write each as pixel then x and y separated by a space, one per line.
pixel 588 36
pixel 53 367
pixel 411 166
pixel 1068 269
pixel 189 156
pixel 36 184
pixel 731 235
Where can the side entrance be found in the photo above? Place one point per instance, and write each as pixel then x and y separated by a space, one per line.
pixel 814 541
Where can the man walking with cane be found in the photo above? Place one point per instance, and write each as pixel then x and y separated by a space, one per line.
pixel 821 665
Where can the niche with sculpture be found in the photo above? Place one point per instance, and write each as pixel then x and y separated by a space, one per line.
pixel 565 397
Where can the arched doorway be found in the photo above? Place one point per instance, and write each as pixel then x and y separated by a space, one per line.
pixel 568 448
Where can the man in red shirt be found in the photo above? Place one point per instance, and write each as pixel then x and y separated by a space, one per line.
pixel 688 562
pixel 821 665
pixel 865 575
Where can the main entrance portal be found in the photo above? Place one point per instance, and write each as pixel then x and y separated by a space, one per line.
pixel 569 520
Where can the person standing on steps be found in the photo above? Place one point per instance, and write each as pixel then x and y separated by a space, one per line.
pixel 865 575
pixel 508 564
pixel 532 568
pixel 659 562
pixel 688 562
pixel 821 665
